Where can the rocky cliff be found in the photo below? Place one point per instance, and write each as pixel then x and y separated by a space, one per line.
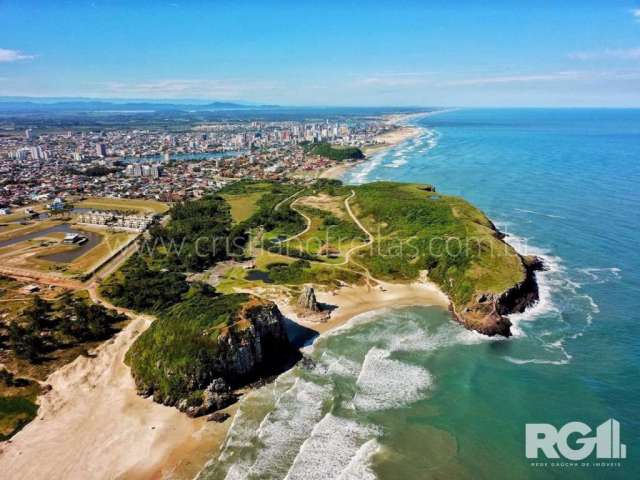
pixel 486 312
pixel 198 353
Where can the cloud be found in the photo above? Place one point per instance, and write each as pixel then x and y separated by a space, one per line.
pixel 7 55
pixel 500 79
pixel 564 76
pixel 608 53
pixel 636 14
pixel 189 88
pixel 401 79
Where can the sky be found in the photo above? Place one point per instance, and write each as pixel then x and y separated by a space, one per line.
pixel 375 53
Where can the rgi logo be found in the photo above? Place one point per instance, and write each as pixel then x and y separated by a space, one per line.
pixel 553 443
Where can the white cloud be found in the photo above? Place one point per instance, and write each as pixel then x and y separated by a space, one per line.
pixel 7 55
pixel 608 53
pixel 498 79
pixel 564 76
pixel 400 79
pixel 636 14
pixel 189 88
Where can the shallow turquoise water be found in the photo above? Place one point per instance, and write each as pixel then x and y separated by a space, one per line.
pixel 407 393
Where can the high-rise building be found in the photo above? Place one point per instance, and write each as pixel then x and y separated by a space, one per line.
pixel 101 150
pixel 27 134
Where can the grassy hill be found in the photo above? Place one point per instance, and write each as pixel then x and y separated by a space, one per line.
pixel 417 229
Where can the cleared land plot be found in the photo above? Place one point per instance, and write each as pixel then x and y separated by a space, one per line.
pixel 35 252
pixel 243 205
pixel 135 204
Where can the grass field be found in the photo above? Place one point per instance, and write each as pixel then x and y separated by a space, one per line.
pixel 243 205
pixel 416 229
pixel 244 198
pixel 138 205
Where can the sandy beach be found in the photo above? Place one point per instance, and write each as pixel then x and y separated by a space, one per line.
pixel 92 424
pixel 387 140
pixel 354 300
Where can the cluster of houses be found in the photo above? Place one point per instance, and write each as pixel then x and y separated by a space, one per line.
pixel 115 219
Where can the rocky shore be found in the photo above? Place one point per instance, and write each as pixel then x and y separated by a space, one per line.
pixel 254 347
pixel 487 313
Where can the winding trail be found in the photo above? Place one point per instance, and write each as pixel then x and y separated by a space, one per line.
pixel 369 242
pixel 287 199
pixel 307 219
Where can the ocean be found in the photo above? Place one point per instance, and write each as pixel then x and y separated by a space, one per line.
pixel 407 393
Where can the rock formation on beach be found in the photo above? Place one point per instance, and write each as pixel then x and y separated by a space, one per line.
pixel 307 300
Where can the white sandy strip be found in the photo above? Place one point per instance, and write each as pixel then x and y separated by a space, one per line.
pixel 92 425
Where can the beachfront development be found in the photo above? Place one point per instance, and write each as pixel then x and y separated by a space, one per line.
pixel 204 289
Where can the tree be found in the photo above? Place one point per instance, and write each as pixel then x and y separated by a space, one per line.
pixel 25 342
pixel 38 313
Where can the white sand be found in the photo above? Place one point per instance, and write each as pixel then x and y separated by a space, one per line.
pixel 92 425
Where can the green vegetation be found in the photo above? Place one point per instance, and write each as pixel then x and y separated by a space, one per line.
pixel 332 152
pixel 199 234
pixel 38 336
pixel 243 198
pixel 417 229
pixel 124 204
pixel 141 286
pixel 17 403
pixel 183 341
pixel 46 326
pixel 303 271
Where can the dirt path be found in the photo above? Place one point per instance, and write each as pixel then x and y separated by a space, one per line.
pixel 287 199
pixel 369 242
pixel 307 219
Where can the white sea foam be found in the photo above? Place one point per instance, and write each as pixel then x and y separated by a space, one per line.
pixel 331 448
pixel 283 430
pixel 386 383
pixel 548 215
pixel 400 157
pixel 359 467
pixel 553 276
pixel 541 361
pixel 331 364
pixel 600 275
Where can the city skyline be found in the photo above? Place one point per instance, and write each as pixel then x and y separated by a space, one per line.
pixel 334 54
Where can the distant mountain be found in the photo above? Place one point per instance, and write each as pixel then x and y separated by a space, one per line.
pixel 52 104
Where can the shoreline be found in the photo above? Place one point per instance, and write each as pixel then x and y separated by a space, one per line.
pixel 93 423
pixel 354 300
pixel 386 141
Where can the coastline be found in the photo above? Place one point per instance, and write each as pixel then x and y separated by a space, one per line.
pixel 384 141
pixel 93 424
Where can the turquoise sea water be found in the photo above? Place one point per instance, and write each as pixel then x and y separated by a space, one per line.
pixel 407 393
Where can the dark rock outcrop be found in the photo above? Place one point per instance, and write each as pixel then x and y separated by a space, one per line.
pixel 219 417
pixel 486 313
pixel 307 300
pixel 251 346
